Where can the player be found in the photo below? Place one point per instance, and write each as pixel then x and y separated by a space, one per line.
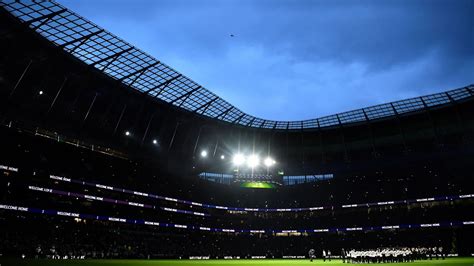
pixel 311 255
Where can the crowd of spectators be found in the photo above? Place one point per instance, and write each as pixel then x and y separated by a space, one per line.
pixel 61 236
pixel 36 235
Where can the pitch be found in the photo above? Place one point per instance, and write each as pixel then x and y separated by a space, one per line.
pixel 447 262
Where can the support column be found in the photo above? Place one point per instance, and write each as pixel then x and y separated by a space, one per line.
pixel 20 79
pixel 174 134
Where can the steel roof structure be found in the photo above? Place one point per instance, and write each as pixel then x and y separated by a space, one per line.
pixel 129 65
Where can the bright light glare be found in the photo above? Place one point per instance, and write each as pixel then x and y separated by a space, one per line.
pixel 40 92
pixel 127 133
pixel 204 153
pixel 222 157
pixel 238 159
pixel 253 161
pixel 269 162
pixel 155 141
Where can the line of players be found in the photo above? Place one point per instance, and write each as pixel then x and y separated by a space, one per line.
pixel 326 254
pixel 384 255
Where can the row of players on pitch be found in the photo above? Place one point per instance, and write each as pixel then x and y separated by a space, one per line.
pixel 384 255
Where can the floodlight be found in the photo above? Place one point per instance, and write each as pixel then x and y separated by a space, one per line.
pixel 269 162
pixel 155 141
pixel 222 157
pixel 127 133
pixel 204 153
pixel 40 92
pixel 238 159
pixel 253 161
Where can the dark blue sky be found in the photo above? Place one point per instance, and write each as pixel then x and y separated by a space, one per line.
pixel 293 60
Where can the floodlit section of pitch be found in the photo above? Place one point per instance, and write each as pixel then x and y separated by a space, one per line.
pixel 448 262
pixel 257 185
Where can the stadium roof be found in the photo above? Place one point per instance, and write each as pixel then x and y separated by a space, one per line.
pixel 131 66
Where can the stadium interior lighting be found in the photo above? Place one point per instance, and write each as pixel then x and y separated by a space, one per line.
pixel 222 157
pixel 269 162
pixel 127 133
pixel 155 141
pixel 253 161
pixel 204 153
pixel 238 159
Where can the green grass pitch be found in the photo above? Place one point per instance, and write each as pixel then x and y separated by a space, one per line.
pixel 447 262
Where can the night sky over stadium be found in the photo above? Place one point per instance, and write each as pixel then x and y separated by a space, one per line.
pixel 293 60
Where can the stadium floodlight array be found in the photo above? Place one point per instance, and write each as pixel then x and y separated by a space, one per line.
pixel 268 162
pixel 238 159
pixel 113 201
pixel 233 231
pixel 252 160
pixel 132 67
pixel 204 205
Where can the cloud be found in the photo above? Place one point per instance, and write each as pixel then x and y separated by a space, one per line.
pixel 292 60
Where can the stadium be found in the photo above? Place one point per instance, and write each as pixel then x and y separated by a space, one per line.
pixel 110 156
